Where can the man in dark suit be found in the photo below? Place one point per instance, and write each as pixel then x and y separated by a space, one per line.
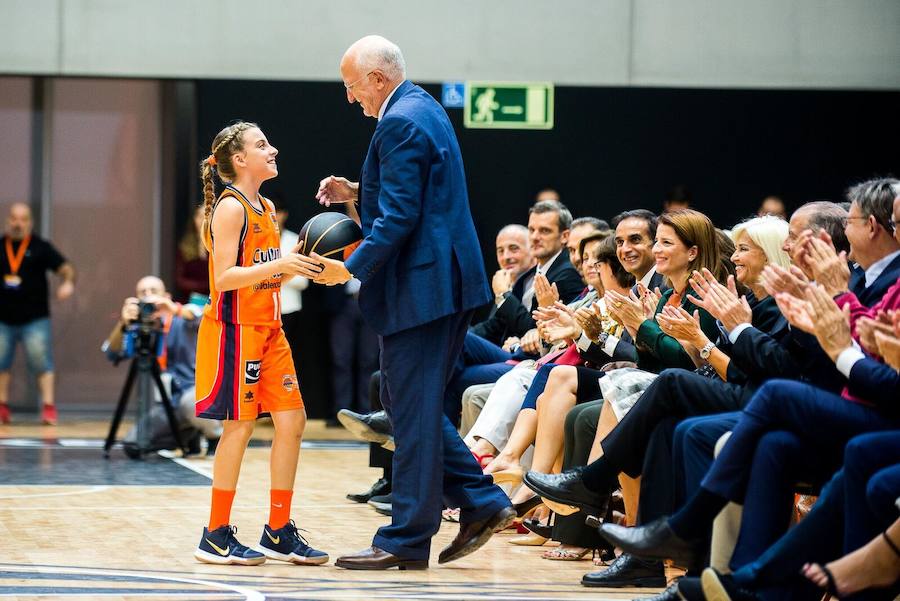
pixel 874 245
pixel 514 258
pixel 422 277
pixel 635 232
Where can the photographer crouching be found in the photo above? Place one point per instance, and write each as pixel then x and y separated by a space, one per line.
pixel 151 317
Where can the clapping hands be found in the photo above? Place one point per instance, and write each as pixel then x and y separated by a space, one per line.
pixel 889 344
pixel 866 329
pixel 777 279
pixel 591 320
pixel 545 292
pixel 682 326
pixel 627 310
pixel 557 323
pixel 720 301
pixel 819 257
pixel 818 314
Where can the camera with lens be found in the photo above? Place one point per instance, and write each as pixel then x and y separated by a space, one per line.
pixel 144 334
pixel 145 314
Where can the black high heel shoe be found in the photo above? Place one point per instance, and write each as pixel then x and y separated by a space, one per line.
pixel 533 525
pixel 526 506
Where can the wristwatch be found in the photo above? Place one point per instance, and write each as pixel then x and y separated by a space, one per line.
pixel 706 350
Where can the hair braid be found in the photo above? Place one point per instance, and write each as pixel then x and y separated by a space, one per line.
pixel 225 144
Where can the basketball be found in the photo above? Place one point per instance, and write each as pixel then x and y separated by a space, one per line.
pixel 332 235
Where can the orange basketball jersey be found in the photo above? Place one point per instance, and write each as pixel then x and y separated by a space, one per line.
pixel 260 242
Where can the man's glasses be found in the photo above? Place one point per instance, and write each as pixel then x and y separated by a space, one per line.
pixel 350 86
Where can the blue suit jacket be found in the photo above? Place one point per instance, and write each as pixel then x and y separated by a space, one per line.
pixel 871 295
pixel 420 258
pixel 876 382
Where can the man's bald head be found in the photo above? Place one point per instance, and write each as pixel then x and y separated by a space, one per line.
pixel 19 222
pixel 372 68
pixel 375 52
pixel 149 286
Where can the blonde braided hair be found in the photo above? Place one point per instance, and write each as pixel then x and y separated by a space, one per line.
pixel 226 143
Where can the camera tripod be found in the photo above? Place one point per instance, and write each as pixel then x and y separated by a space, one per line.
pixel 145 369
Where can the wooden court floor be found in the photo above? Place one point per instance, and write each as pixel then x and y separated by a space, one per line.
pixel 73 525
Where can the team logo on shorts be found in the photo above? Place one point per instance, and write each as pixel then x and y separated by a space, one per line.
pixel 289 382
pixel 251 371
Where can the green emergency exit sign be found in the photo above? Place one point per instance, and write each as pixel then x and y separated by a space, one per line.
pixel 492 105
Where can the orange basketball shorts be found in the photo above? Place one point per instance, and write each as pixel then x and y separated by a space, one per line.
pixel 243 371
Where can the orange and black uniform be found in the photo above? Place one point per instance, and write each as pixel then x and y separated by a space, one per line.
pixel 244 363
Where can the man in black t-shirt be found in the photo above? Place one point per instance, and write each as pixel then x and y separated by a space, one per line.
pixel 24 308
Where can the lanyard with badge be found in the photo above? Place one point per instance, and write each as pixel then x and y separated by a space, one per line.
pixel 12 280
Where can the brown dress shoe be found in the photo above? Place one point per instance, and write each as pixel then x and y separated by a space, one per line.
pixel 374 558
pixel 473 535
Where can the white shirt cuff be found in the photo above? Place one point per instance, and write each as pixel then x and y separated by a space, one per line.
pixel 583 343
pixel 736 332
pixel 847 359
pixel 609 347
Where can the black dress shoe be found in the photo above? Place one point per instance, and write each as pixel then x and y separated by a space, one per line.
pixel 473 535
pixel 374 558
pixel 722 587
pixel 382 486
pixel 382 504
pixel 653 541
pixel 628 570
pixel 670 594
pixel 566 488
pixel 690 589
pixel 373 427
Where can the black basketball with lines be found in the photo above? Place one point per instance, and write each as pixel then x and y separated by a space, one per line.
pixel 332 235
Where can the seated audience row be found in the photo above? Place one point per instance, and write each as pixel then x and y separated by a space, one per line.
pixel 666 388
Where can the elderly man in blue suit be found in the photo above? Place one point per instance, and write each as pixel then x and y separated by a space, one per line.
pixel 422 278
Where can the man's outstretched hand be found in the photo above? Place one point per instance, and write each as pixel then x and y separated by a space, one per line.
pixel 337 190
pixel 321 270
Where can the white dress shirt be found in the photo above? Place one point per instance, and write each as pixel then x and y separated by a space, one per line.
pixel 878 267
pixel 387 101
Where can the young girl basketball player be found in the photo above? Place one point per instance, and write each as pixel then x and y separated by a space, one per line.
pixel 244 364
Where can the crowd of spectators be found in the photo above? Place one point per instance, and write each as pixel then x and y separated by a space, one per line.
pixel 720 399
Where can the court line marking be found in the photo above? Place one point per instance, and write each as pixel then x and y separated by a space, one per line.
pixel 191 465
pixel 93 489
pixel 391 589
pixel 249 594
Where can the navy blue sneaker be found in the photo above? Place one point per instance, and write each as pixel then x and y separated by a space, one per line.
pixel 221 547
pixel 286 544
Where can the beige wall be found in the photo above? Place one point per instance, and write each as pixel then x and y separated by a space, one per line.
pixel 716 43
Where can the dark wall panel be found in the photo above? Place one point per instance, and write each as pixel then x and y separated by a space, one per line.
pixel 611 149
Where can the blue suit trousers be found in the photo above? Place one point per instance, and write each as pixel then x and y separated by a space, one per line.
pixel 852 509
pixel 432 466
